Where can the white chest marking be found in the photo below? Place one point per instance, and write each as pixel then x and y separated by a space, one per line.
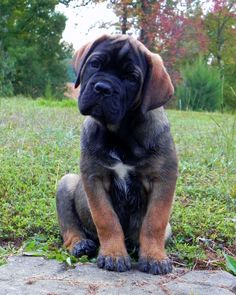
pixel 122 169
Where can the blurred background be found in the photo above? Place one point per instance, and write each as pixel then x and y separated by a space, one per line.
pixel 196 39
pixel 40 123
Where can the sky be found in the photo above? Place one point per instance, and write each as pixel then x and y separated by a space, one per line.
pixel 83 22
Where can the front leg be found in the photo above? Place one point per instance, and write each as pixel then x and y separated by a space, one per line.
pixel 152 256
pixel 113 254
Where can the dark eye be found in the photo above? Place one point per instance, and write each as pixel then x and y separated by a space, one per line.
pixel 132 77
pixel 95 64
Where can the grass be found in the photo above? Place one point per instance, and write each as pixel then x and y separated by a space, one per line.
pixel 40 143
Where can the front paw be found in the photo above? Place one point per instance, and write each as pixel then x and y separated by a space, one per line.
pixel 119 263
pixel 155 267
pixel 84 247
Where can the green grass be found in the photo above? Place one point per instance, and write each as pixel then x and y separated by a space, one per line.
pixel 39 143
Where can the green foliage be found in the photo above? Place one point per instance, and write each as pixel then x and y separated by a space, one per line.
pixel 27 188
pixel 188 253
pixel 220 28
pixel 6 74
pixel 48 95
pixel 40 143
pixel 40 245
pixel 30 34
pixel 230 263
pixel 5 251
pixel 230 86
pixel 220 25
pixel 206 189
pixel 70 71
pixel 57 103
pixel 201 88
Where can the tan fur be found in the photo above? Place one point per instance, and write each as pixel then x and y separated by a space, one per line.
pixel 160 88
pixel 79 55
pixel 109 230
pixel 70 238
pixel 153 232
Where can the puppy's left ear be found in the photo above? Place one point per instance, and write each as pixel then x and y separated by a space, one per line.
pixel 158 88
pixel 81 55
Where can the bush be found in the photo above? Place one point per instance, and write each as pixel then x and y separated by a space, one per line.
pixel 34 73
pixel 48 94
pixel 201 88
pixel 229 87
pixel 6 74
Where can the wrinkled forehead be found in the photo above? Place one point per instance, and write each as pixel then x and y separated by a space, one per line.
pixel 122 50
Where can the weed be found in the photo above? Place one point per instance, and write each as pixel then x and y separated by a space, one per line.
pixel 57 103
pixel 40 245
pixel 230 263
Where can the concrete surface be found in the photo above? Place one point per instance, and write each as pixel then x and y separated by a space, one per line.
pixel 36 275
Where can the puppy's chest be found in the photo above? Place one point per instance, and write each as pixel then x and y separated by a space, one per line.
pixel 125 177
pixel 120 167
pixel 127 191
pixel 125 161
pixel 123 156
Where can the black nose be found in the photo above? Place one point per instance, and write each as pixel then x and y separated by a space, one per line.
pixel 103 88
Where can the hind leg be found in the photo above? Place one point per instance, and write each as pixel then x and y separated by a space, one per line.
pixel 74 217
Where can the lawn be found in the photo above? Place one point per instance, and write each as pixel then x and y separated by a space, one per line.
pixel 40 143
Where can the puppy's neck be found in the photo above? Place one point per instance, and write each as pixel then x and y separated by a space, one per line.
pixel 129 120
pixel 113 127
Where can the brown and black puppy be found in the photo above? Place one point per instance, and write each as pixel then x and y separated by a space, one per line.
pixel 123 198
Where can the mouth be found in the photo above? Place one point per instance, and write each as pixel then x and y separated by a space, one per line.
pixel 100 110
pixel 99 100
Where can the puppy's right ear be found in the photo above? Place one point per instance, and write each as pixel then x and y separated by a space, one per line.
pixel 81 55
pixel 79 60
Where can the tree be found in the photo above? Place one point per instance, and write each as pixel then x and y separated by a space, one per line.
pixel 181 31
pixel 123 9
pixel 221 28
pixel 220 23
pixel 172 28
pixel 31 31
pixel 6 74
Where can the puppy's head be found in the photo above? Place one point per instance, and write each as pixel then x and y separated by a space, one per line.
pixel 118 75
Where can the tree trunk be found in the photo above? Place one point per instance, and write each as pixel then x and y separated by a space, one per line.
pixel 124 20
pixel 146 35
pixel 143 36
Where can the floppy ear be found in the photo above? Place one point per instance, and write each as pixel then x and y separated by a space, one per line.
pixel 81 55
pixel 158 87
pixel 78 61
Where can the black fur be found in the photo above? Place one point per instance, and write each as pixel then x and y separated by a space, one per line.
pixel 111 79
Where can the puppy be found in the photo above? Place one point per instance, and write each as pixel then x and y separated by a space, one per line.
pixel 128 167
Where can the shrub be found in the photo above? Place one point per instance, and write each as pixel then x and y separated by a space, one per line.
pixel 6 74
pixel 201 88
pixel 48 94
pixel 229 87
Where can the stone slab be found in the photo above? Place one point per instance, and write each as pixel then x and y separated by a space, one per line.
pixel 36 275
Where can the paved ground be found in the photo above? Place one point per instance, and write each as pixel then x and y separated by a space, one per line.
pixel 36 276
